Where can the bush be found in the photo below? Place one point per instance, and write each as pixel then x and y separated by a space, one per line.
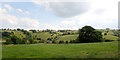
pixel 33 31
pixel 67 42
pixel 8 41
pixel 24 41
pixel 6 34
pixel 36 42
pixel 15 39
pixel 18 29
pixel 71 41
pixel 41 41
pixel 105 33
pixel 49 39
pixel 38 38
pixel 61 42
pixel 53 41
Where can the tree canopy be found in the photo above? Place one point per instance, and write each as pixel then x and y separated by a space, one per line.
pixel 89 34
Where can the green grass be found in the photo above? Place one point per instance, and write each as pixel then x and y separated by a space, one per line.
pixel 0 51
pixel 83 50
pixel 68 37
pixel 110 37
pixel 19 34
pixel 42 35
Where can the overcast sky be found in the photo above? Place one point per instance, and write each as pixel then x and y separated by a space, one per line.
pixel 54 14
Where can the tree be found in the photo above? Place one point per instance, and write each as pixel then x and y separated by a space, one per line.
pixel 33 31
pixel 53 41
pixel 107 29
pixel 61 42
pixel 6 34
pixel 67 42
pixel 15 39
pixel 8 41
pixel 89 34
pixel 18 29
pixel 72 41
pixel 24 41
pixel 105 33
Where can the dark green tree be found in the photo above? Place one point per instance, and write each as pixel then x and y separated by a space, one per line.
pixel 18 29
pixel 67 42
pixel 15 39
pixel 89 34
pixel 61 42
pixel 8 41
pixel 33 31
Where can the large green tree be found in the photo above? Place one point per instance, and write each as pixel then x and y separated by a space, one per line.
pixel 89 34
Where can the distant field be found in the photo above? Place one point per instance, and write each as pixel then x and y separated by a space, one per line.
pixel 110 37
pixel 42 35
pixel 68 37
pixel 83 50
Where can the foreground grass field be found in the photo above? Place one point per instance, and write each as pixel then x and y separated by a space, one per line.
pixel 88 50
pixel 0 51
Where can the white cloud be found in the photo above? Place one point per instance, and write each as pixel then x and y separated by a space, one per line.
pixel 11 21
pixel 69 9
pixel 8 7
pixel 64 9
pixel 101 15
pixel 27 12
pixel 29 23
pixel 3 10
pixel 44 3
pixel 8 21
pixel 22 11
pixel 50 26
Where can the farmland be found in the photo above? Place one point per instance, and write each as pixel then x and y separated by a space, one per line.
pixel 87 50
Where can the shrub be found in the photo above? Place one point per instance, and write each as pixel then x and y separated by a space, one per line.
pixel 67 42
pixel 18 29
pixel 33 31
pixel 53 41
pixel 15 39
pixel 38 38
pixel 61 42
pixel 6 34
pixel 71 41
pixel 8 41
pixel 41 41
pixel 105 33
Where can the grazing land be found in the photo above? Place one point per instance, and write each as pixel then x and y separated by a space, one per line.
pixel 83 50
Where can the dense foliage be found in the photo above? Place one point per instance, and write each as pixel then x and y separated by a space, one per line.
pixel 89 34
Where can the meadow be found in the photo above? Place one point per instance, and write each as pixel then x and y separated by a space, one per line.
pixel 42 50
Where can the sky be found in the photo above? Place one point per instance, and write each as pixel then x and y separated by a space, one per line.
pixel 58 14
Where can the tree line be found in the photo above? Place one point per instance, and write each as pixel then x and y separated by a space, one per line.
pixel 87 34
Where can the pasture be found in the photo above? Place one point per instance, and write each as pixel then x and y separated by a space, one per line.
pixel 81 50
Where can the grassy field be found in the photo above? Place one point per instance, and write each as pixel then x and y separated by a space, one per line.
pixel 111 37
pixel 0 51
pixel 42 35
pixel 83 50
pixel 68 37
